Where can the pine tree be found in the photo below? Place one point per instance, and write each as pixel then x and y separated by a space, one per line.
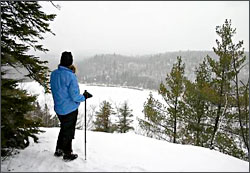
pixel 228 127
pixel 197 113
pixel 22 24
pixel 223 73
pixel 162 121
pixel 238 59
pixel 124 122
pixel 154 122
pixel 172 93
pixel 103 122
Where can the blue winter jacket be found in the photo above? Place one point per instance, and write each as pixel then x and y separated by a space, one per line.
pixel 65 91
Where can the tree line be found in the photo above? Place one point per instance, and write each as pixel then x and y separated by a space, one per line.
pixel 140 71
pixel 213 110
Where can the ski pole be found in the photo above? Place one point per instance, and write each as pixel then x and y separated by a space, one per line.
pixel 85 126
pixel 88 95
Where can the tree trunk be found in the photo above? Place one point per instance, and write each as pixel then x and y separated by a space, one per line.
pixel 218 111
pixel 175 119
pixel 238 105
pixel 215 126
pixel 197 143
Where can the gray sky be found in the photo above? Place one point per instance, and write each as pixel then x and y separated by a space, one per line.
pixel 142 27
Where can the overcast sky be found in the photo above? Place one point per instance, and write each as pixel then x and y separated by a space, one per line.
pixel 142 27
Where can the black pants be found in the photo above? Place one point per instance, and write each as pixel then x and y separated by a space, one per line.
pixel 67 131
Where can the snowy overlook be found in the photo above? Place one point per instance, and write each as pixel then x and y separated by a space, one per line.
pixel 154 96
pixel 127 152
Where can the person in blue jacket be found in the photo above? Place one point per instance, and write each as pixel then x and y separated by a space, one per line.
pixel 67 98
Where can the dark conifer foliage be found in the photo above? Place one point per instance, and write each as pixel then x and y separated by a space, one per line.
pixel 163 120
pixel 154 124
pixel 172 92
pixel 197 112
pixel 124 115
pixel 103 118
pixel 22 26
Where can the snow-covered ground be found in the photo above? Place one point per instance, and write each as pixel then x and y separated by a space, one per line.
pixel 121 153
pixel 116 152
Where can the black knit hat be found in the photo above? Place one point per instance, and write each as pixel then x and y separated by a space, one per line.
pixel 66 59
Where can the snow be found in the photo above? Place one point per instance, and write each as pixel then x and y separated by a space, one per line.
pixel 118 152
pixel 128 152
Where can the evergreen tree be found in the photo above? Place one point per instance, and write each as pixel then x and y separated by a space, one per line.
pixel 197 107
pixel 238 59
pixel 103 122
pixel 162 121
pixel 16 126
pixel 226 70
pixel 223 73
pixel 172 93
pixel 22 24
pixel 154 122
pixel 124 123
pixel 46 117
pixel 228 126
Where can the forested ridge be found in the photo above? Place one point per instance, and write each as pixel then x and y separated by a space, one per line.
pixel 144 71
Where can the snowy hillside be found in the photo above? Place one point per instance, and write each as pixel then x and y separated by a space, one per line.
pixel 120 152
pixel 116 152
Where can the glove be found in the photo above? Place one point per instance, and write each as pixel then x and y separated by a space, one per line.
pixel 87 94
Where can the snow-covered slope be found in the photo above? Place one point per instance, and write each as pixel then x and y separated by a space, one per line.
pixel 120 152
pixel 116 152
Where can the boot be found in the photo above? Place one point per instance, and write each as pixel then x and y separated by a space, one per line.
pixel 69 157
pixel 58 153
